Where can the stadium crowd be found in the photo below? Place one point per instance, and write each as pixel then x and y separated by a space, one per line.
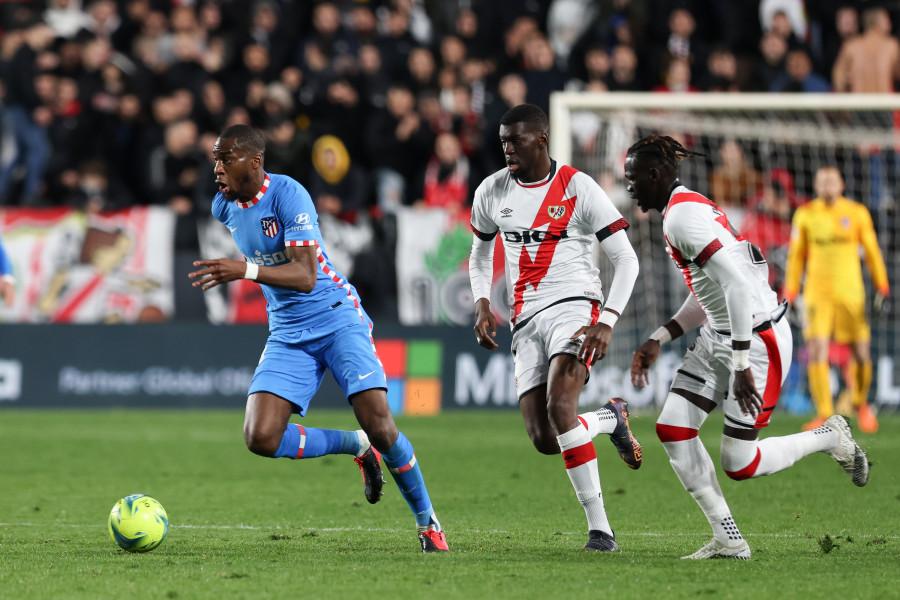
pixel 370 104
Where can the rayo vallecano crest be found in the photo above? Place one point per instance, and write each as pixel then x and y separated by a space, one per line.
pixel 556 212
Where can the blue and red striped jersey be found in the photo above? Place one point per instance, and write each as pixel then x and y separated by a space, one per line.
pixel 282 214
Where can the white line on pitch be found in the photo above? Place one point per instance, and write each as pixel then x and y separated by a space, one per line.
pixel 479 531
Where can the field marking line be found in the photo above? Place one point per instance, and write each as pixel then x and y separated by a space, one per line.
pixel 479 531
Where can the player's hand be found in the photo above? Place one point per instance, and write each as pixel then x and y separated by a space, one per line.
pixel 746 394
pixel 8 291
pixel 595 344
pixel 485 325
pixel 880 304
pixel 644 357
pixel 215 272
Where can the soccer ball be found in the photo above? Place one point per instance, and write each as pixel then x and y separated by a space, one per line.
pixel 138 523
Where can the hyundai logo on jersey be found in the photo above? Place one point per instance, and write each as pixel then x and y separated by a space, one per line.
pixel 269 226
pixel 302 219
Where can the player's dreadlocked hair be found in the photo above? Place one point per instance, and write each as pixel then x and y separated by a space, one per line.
pixel 662 147
pixel 246 138
pixel 526 113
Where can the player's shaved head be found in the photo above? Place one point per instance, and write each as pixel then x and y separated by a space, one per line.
pixel 529 114
pixel 245 138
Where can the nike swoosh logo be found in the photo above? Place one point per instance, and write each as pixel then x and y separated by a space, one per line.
pixel 366 375
pixel 232 229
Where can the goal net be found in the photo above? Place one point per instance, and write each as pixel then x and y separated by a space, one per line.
pixel 761 155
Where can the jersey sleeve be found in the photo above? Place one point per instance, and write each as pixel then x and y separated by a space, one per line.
pixel 874 259
pixel 218 208
pixel 690 231
pixel 298 215
pixel 796 258
pixel 598 214
pixel 483 224
pixel 6 267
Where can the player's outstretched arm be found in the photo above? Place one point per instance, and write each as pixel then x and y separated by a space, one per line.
pixel 299 274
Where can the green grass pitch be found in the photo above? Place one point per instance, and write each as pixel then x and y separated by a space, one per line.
pixel 243 526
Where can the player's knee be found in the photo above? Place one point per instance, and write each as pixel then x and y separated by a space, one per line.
pixel 740 458
pixel 543 441
pixel 382 435
pixel 261 442
pixel 674 433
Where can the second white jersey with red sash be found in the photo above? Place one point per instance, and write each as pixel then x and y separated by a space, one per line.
pixel 695 229
pixel 547 230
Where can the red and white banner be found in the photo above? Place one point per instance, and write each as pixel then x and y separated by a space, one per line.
pixel 240 301
pixel 72 267
pixel 433 247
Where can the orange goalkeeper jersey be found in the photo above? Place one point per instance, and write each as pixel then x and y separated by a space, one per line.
pixel 825 242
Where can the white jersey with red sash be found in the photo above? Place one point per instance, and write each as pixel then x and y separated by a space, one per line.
pixel 695 229
pixel 547 228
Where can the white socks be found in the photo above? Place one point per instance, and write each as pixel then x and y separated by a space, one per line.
pixel 581 467
pixel 599 421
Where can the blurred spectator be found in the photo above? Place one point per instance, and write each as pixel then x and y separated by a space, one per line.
pixel 173 171
pixel 722 72
pixel 288 149
pixel 212 107
pixel 770 64
pixel 768 225
pixel 452 52
pixel 396 44
pixel 340 192
pixel 597 65
pixel 398 143
pixel 373 80
pixel 95 189
pixel 539 71
pixel 682 42
pixel 845 26
pixel 448 180
pixel 266 28
pixel 66 17
pixel 677 77
pixel 624 75
pixel 26 116
pixel 869 63
pixel 422 70
pixel 566 21
pixel 786 17
pixel 798 75
pixel 734 181
pixel 515 39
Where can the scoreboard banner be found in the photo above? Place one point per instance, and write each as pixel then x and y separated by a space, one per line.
pixel 73 267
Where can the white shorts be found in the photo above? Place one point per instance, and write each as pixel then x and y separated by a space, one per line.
pixel 546 335
pixel 706 370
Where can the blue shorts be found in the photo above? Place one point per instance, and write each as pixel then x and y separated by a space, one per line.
pixel 294 370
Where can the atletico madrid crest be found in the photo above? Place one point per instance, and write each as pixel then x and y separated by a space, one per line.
pixel 556 212
pixel 269 226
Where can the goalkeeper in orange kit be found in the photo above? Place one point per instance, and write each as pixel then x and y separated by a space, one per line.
pixel 825 238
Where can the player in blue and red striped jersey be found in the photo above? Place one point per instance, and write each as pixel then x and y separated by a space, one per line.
pixel 739 359
pixel 316 322
pixel 548 215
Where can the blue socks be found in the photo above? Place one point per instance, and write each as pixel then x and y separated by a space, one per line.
pixel 308 442
pixel 401 461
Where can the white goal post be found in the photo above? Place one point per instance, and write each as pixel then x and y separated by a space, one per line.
pixel 761 153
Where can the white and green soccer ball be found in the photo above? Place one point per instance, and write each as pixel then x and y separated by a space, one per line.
pixel 138 523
